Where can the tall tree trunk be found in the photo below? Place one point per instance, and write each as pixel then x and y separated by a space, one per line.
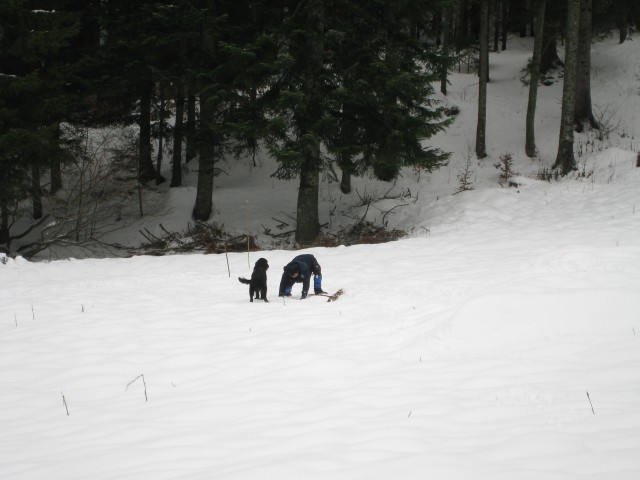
pixel 190 127
pixel 446 46
pixel 565 159
pixel 252 140
pixel 36 191
pixel 481 149
pixel 308 224
pixel 56 170
pixel 436 26
pixel 622 18
pixel 496 25
pixel 344 159
pixel 518 12
pixel 207 140
pixel 207 152
pixel 146 171
pixel 584 111
pixel 176 161
pixel 4 224
pixel 462 25
pixel 505 23
pixel 549 59
pixel 346 167
pixel 159 177
pixel 534 72
pixel 56 176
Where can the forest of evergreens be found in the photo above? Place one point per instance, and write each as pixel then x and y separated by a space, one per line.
pixel 318 83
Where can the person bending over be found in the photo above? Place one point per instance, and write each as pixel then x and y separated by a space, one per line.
pixel 299 270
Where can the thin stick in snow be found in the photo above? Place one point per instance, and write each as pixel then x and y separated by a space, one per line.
pixel 33 313
pixel 227 257
pixel 248 259
pixel 143 383
pixel 589 398
pixel 64 402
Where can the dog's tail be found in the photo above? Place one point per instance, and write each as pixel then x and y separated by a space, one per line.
pixel 244 280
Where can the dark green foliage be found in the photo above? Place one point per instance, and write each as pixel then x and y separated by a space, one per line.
pixel 357 81
pixel 388 85
pixel 320 81
pixel 33 99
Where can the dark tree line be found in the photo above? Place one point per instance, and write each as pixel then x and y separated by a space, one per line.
pixel 315 81
pixel 302 77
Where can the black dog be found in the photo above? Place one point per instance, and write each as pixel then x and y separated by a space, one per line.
pixel 258 282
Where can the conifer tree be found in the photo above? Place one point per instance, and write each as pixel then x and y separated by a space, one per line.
pixel 300 106
pixel 555 15
pixel 229 67
pixel 32 99
pixel 358 82
pixel 175 36
pixel 125 69
pixel 401 115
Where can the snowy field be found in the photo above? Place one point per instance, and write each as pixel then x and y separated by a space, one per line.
pixel 499 341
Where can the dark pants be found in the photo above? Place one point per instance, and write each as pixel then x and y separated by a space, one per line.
pixel 288 285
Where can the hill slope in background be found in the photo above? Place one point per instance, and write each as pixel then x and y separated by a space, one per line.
pixel 247 200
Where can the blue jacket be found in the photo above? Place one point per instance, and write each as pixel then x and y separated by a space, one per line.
pixel 306 265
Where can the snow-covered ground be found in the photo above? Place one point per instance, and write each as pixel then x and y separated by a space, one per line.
pixel 500 340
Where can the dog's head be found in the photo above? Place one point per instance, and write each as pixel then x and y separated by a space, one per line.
pixel 262 263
